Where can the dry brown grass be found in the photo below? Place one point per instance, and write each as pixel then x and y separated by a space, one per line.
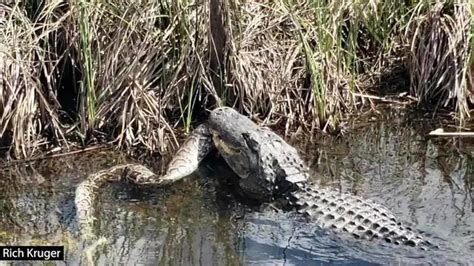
pixel 149 61
pixel 139 62
pixel 439 37
pixel 301 63
pixel 28 106
pixel 136 71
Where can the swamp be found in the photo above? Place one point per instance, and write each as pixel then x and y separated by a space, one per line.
pixel 375 95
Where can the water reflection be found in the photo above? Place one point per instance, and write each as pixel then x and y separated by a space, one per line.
pixel 427 182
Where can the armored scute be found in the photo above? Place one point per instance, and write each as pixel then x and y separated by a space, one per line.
pixel 269 169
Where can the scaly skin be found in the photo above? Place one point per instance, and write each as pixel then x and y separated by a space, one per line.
pixel 348 213
pixel 87 190
pixel 269 169
pixel 85 199
pixel 185 161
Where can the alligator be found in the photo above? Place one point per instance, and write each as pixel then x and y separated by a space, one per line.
pixel 269 170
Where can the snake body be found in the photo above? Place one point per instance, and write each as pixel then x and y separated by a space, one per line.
pixel 269 169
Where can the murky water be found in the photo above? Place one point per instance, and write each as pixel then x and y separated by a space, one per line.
pixel 426 182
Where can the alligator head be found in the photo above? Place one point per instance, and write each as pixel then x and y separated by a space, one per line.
pixel 265 163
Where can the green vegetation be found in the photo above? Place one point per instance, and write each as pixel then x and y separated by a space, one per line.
pixel 136 72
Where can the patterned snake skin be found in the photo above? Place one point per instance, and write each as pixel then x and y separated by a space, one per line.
pixel 88 189
pixel 278 167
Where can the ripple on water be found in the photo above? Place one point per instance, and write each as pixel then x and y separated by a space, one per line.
pixel 426 182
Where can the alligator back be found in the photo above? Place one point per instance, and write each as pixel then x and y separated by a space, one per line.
pixel 349 213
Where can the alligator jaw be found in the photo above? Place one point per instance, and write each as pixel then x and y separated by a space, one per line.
pixel 268 168
pixel 222 145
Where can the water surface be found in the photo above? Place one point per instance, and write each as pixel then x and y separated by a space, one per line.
pixel 427 182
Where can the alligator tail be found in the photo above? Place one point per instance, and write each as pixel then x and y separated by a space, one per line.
pixel 351 214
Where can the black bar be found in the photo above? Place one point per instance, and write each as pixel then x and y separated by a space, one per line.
pixel 32 253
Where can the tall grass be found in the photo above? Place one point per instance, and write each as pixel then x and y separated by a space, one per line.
pixel 304 62
pixel 28 106
pixel 439 60
pixel 87 21
pixel 137 72
pixel 147 62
